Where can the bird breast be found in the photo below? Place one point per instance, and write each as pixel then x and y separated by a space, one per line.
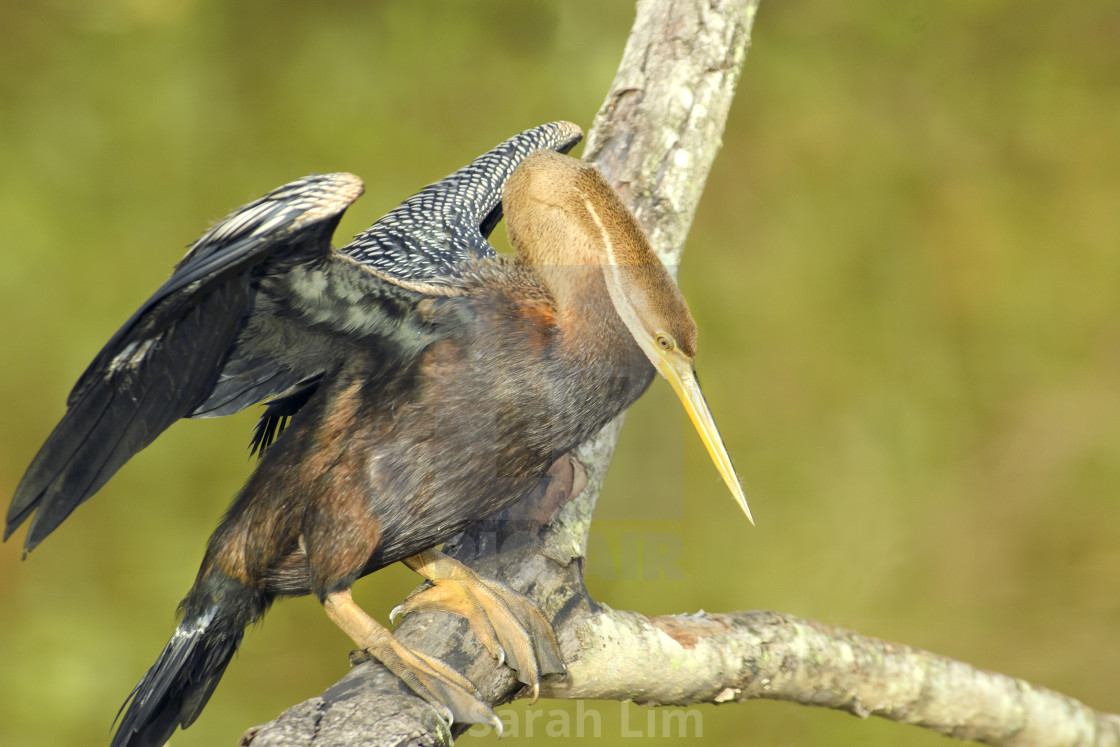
pixel 490 407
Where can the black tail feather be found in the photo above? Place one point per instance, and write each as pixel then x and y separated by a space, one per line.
pixel 175 689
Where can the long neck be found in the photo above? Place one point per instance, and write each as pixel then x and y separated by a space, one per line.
pixel 594 349
pixel 580 309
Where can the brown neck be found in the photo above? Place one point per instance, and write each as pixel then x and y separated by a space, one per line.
pixel 587 321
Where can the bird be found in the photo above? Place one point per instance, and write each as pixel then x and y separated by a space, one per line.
pixel 414 382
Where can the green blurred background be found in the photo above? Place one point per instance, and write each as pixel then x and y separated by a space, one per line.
pixel 905 270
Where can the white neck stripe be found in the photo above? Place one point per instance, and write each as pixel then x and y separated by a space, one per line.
pixel 613 277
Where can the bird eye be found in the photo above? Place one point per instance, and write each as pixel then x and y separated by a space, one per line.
pixel 665 342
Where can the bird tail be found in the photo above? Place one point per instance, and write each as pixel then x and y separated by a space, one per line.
pixel 174 691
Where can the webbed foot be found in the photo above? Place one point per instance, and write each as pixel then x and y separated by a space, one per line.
pixel 510 625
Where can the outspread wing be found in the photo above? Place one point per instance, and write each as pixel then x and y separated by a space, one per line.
pixel 428 236
pixel 164 359
pixel 262 306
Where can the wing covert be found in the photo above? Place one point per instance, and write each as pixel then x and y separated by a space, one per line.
pixel 429 235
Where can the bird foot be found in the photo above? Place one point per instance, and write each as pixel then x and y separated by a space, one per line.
pixel 450 692
pixel 510 625
pixel 453 695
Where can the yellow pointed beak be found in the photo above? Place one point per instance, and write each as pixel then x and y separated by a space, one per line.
pixel 678 370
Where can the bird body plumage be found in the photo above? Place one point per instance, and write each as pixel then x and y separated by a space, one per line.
pixel 394 460
pixel 429 383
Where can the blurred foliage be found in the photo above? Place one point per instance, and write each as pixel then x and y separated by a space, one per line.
pixel 905 271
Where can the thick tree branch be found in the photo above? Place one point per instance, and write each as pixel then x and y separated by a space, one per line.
pixel 706 658
pixel 655 138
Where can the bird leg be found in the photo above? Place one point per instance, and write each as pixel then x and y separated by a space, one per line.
pixel 510 625
pixel 450 692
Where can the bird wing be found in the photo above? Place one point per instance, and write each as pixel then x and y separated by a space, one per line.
pixel 262 306
pixel 429 236
pixel 420 245
pixel 165 358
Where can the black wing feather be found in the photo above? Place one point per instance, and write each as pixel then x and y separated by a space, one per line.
pixel 278 411
pixel 165 359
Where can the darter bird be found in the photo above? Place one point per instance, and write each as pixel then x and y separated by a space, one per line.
pixel 415 382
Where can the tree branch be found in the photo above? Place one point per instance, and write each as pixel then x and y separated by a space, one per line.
pixel 705 658
pixel 655 138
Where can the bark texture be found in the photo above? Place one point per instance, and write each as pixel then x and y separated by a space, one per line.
pixel 655 138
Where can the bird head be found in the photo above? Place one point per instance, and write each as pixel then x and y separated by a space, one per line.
pixel 562 212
